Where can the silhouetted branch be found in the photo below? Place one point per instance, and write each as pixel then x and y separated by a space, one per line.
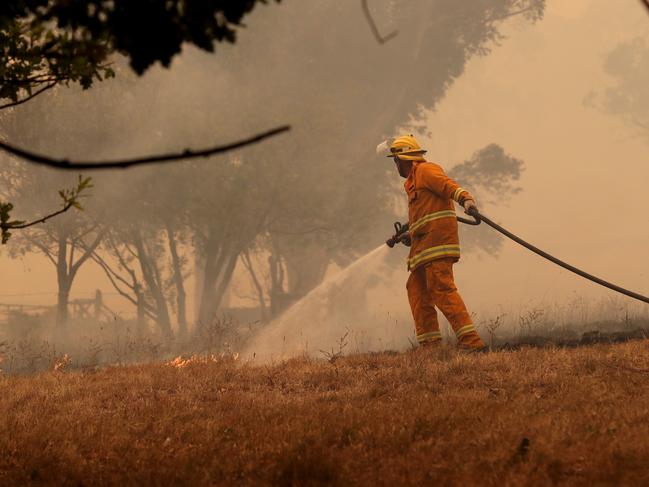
pixel 30 97
pixel 645 3
pixel 510 14
pixel 70 198
pixel 121 164
pixel 88 251
pixel 112 275
pixel 20 226
pixel 47 252
pixel 370 20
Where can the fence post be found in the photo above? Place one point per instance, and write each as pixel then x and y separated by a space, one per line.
pixel 98 304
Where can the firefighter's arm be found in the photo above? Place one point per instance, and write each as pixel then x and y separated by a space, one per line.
pixel 468 204
pixel 435 179
pixel 404 236
pixel 406 239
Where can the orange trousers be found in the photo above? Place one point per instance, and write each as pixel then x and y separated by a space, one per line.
pixel 430 286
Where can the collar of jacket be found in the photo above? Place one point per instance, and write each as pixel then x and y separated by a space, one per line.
pixel 410 180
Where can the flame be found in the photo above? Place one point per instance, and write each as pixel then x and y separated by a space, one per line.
pixel 62 363
pixel 180 361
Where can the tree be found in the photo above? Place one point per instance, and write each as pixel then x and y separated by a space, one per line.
pixel 132 259
pixel 50 42
pixel 64 240
pixel 627 96
pixel 143 254
pixel 490 175
pixel 226 222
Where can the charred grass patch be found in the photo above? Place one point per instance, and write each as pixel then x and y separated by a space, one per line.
pixel 530 416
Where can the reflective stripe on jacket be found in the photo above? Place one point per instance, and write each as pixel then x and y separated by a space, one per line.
pixel 431 214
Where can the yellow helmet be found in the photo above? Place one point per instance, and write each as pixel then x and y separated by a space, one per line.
pixel 406 147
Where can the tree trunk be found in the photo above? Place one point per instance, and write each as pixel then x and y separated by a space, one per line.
pixel 220 261
pixel 224 278
pixel 257 285
pixel 305 269
pixel 141 310
pixel 205 309
pixel 64 282
pixel 63 299
pixel 181 296
pixel 153 285
pixel 279 298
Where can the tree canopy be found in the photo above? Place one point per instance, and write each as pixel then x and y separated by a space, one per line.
pixel 627 95
pixel 45 42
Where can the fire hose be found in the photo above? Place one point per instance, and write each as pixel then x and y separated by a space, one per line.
pixel 402 236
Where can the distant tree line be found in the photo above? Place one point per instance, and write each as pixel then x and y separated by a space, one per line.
pixel 627 96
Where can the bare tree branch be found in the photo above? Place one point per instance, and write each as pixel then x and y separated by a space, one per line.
pixel 31 80
pixel 70 199
pixel 88 250
pixel 510 14
pixel 645 3
pixel 30 97
pixel 370 20
pixel 46 252
pixel 130 251
pixel 112 276
pixel 41 220
pixel 99 260
pixel 121 292
pixel 121 260
pixel 247 262
pixel 81 236
pixel 70 263
pixel 120 164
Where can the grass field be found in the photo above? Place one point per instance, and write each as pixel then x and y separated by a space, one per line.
pixel 532 416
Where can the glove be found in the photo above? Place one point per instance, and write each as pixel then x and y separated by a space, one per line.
pixel 468 204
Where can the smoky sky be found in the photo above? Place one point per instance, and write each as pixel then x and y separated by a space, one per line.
pixel 583 189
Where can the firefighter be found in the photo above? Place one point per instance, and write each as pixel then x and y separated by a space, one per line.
pixel 434 246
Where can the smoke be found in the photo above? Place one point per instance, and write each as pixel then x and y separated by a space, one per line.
pixel 307 204
pixel 360 309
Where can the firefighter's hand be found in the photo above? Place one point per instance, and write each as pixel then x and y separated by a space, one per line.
pixel 468 204
pixel 406 240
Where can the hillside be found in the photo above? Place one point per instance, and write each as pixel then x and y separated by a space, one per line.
pixel 533 416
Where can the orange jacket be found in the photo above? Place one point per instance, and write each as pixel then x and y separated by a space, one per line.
pixel 431 214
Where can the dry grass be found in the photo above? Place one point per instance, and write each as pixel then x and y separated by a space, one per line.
pixel 534 416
